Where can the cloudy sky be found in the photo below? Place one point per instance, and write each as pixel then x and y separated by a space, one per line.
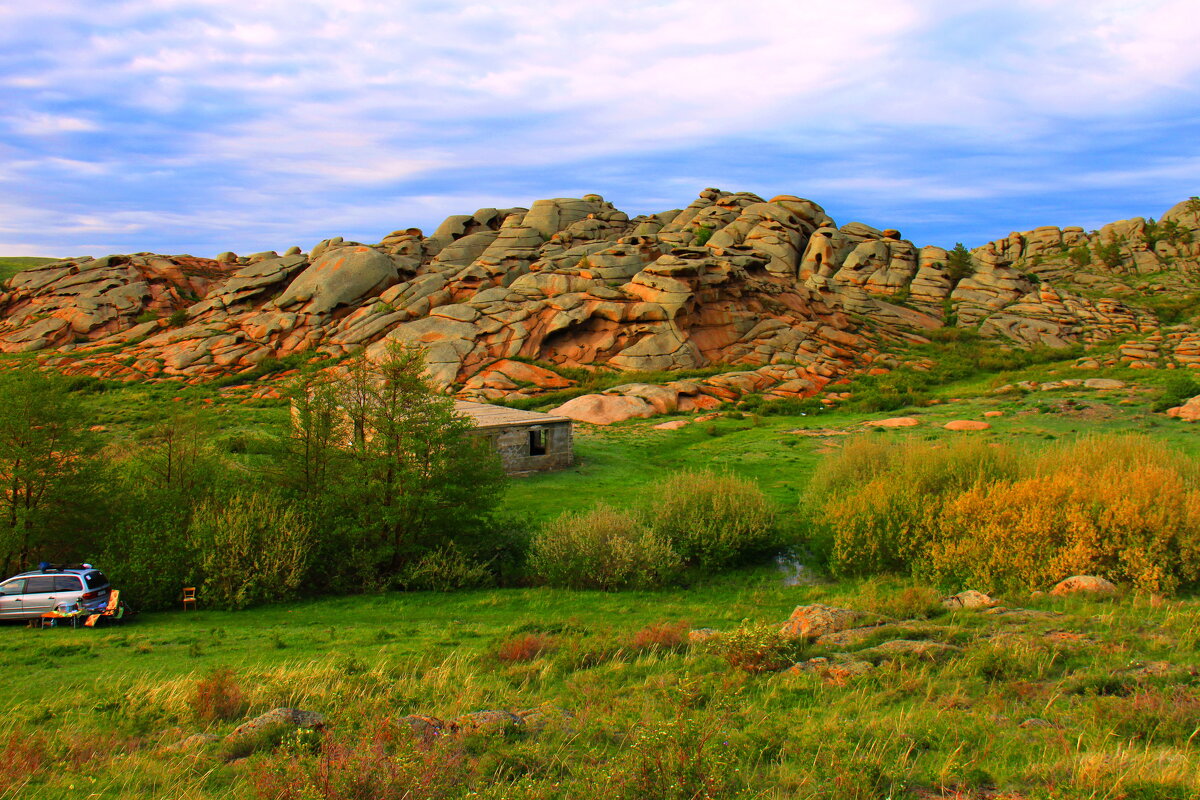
pixel 203 125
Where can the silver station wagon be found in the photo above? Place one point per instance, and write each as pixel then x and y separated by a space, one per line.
pixel 64 589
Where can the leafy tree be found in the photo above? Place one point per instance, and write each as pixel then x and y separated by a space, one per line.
pixel 47 482
pixel 388 469
pixel 314 441
pixel 160 481
pixel 959 263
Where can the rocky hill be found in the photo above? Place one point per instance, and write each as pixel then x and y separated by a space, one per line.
pixel 774 286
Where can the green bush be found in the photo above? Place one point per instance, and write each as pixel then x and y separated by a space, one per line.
pixel 445 569
pixel 252 548
pixel 1177 390
pixel 881 502
pixel 712 520
pixel 757 647
pixel 601 549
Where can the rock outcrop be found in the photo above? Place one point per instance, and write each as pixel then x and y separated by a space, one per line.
pixel 514 303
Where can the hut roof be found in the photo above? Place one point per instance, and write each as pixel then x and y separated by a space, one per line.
pixel 489 416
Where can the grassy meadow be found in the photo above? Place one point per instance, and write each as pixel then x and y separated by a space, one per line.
pixel 1084 699
pixel 1067 698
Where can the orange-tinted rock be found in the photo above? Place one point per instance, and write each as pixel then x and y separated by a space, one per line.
pixel 604 409
pixel 809 622
pixel 1084 584
pixel 966 425
pixel 1188 412
pixel 894 422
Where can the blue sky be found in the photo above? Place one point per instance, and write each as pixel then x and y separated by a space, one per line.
pixel 203 125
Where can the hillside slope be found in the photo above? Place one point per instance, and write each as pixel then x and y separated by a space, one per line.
pixel 775 288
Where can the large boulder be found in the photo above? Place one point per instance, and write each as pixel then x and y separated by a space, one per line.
pixel 1188 412
pixel 970 599
pixel 809 622
pixel 604 409
pixel 274 720
pixel 1084 584
pixel 340 277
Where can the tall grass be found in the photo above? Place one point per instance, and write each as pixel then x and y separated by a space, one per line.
pixel 997 517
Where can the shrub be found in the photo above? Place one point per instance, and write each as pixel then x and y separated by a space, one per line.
pixel 992 519
pixel 1177 390
pixel 218 697
pixel 662 636
pixel 1121 507
pixel 525 647
pixel 373 764
pixel 178 318
pixel 689 758
pixel 253 548
pixel 445 569
pixel 757 647
pixel 881 502
pixel 712 520
pixel 703 234
pixel 601 549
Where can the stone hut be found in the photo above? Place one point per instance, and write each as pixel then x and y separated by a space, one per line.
pixel 527 441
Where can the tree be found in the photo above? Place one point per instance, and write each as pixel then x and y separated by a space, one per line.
pixel 315 438
pixel 46 457
pixel 389 467
pixel 959 263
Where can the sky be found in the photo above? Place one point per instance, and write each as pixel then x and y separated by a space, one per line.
pixel 198 126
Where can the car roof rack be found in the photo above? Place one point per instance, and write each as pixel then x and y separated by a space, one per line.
pixel 46 566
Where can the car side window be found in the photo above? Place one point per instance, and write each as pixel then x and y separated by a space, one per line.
pixel 13 587
pixel 67 583
pixel 41 584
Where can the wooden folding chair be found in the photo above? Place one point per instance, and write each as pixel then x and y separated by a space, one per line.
pixel 189 596
pixel 114 602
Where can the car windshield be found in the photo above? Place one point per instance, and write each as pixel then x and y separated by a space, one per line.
pixel 95 579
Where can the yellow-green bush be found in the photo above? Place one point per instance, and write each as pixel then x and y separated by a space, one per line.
pixel 252 548
pixel 601 549
pixel 712 520
pixel 883 502
pixel 989 517
pixel 1122 507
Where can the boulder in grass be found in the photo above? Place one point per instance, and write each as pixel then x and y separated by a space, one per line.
pixel 279 717
pixel 1188 412
pixel 970 599
pixel 894 422
pixel 809 622
pixel 966 425
pixel 1084 584
pixel 917 648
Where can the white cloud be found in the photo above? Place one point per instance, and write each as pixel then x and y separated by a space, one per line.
pixel 35 123
pixel 299 103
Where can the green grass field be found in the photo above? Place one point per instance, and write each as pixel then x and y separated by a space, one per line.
pixel 1085 699
pixel 1109 685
